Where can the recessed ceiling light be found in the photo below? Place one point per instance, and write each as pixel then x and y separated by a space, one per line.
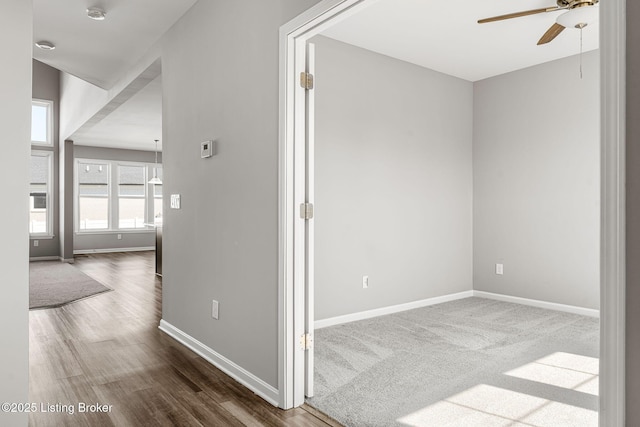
pixel 45 45
pixel 96 14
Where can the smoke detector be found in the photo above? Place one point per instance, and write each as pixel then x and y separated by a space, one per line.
pixel 96 14
pixel 44 45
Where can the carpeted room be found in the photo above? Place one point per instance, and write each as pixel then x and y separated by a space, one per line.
pixel 424 183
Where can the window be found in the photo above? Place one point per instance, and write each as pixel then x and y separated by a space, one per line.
pixel 113 196
pixel 40 209
pixel 41 122
pixel 93 195
pixel 131 196
pixel 157 195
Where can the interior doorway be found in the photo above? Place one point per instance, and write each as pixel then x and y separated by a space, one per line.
pixel 295 133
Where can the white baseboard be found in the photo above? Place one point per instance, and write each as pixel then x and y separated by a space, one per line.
pixel 52 258
pixel 110 250
pixel 540 304
pixel 244 377
pixel 338 320
pixel 44 258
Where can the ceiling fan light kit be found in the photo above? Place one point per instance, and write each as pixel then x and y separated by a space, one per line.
pixel 45 45
pixel 579 14
pixel 96 14
pixel 578 18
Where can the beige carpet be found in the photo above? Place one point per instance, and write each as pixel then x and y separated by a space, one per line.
pixel 53 284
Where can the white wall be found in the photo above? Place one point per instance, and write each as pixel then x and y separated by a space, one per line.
pixel 393 181
pixel 536 182
pixel 220 81
pixel 79 101
pixel 15 118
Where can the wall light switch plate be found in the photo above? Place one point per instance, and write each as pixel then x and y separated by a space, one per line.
pixel 175 201
pixel 214 309
pixel 207 149
pixel 500 269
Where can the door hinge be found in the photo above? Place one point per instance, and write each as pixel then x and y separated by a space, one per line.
pixel 306 80
pixel 306 210
pixel 306 341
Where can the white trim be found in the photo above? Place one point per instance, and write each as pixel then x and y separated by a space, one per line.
pixel 51 200
pixel 76 193
pixel 244 377
pixel 290 314
pixel 110 250
pixel 538 303
pixel 51 258
pixel 113 196
pixel 612 242
pixel 50 140
pixel 368 314
pixel 44 258
pixel 149 229
pixel 339 320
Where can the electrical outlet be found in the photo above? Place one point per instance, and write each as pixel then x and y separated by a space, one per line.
pixel 365 282
pixel 119 236
pixel 214 309
pixel 499 269
pixel 36 243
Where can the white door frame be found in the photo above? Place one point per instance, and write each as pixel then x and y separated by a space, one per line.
pixel 293 38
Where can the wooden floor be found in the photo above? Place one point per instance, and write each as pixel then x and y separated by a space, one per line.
pixel 108 350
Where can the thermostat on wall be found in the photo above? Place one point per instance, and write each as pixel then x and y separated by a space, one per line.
pixel 207 149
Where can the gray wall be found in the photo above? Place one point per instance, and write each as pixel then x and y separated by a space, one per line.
pixel 633 217
pixel 65 201
pixel 46 85
pixel 223 243
pixel 393 181
pixel 536 182
pixel 15 118
pixel 142 239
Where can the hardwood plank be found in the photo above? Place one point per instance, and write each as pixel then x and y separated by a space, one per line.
pixel 108 349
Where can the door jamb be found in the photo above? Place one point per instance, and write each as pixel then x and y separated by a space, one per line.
pixel 612 248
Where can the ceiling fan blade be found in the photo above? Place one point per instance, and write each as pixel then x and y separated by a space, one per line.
pixel 518 14
pixel 551 33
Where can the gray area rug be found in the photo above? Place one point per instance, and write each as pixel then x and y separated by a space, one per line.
pixel 377 372
pixel 53 284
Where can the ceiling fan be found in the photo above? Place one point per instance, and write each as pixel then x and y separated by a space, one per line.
pixel 579 14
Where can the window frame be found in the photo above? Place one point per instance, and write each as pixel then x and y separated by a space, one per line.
pixel 114 197
pixel 76 196
pixel 145 197
pixel 153 196
pixel 49 104
pixel 48 234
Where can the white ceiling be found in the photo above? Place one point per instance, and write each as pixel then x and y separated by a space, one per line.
pixel 445 36
pixel 101 52
pixel 133 125
pixel 440 35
